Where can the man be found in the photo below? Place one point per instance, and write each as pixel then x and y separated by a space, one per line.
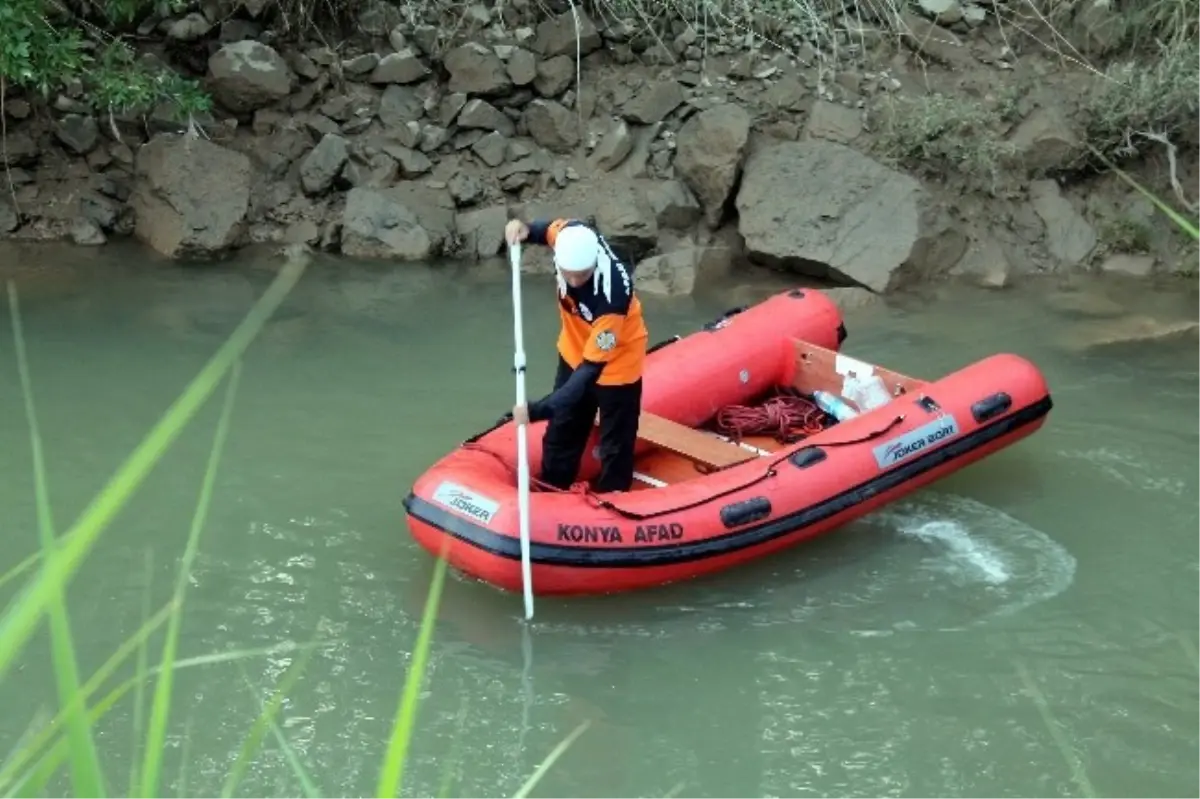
pixel 601 349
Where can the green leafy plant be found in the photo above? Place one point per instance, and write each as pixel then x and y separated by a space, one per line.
pixel 45 48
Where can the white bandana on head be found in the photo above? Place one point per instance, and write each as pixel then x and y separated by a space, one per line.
pixel 576 249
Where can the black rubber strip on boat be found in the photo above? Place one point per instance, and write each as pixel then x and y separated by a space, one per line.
pixel 509 545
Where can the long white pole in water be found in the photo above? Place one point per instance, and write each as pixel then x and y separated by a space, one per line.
pixel 514 255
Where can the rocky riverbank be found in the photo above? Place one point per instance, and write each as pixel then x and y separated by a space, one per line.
pixel 879 157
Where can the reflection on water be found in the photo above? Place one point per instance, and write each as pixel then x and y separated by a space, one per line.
pixel 885 659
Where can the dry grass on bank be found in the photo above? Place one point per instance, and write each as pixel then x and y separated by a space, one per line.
pixel 946 134
pixel 1159 96
pixel 1134 106
pixel 1139 24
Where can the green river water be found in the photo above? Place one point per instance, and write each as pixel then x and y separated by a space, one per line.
pixel 1027 627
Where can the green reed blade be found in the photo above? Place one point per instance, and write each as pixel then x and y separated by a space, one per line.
pixel 157 731
pixel 1185 225
pixel 1078 773
pixel 452 757
pixel 550 760
pixel 139 695
pixel 20 568
pixel 32 730
pixel 25 752
pixel 86 773
pixel 259 728
pixel 41 771
pixel 23 756
pixel 184 749
pixel 289 753
pixel 392 770
pixel 19 621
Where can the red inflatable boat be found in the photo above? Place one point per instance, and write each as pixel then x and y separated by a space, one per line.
pixel 704 500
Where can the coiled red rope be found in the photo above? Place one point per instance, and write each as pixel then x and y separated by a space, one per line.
pixel 785 417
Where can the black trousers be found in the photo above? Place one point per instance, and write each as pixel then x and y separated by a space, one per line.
pixel 567 434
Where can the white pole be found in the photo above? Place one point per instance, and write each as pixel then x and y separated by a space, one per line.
pixel 514 255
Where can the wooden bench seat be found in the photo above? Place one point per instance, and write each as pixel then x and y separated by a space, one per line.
pixel 692 444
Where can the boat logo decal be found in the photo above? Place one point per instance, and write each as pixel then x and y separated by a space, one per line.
pixel 901 448
pixel 477 506
pixel 744 376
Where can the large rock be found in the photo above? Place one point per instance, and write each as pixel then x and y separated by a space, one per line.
pixel 834 122
pixel 190 197
pixel 615 144
pixel 695 261
pixel 323 164
pixel 827 210
pixel 9 221
pixel 406 221
pixel 247 75
pixel 674 206
pixel 619 206
pixel 482 230
pixel 78 132
pixel 1130 330
pixel 709 153
pixel 670 274
pixel 1045 140
pixel 552 126
pixel 1069 237
pixel 986 262
pixel 377 223
pixel 653 101
pixel 400 67
pixel 475 69
pixel 20 149
pixel 479 114
pixel 562 34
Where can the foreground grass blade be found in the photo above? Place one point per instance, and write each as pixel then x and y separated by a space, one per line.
pixel 550 760
pixel 310 788
pixel 26 752
pixel 139 695
pixel 259 728
pixel 86 773
pixel 51 760
pixel 20 620
pixel 450 767
pixel 20 568
pixel 33 783
pixel 392 770
pixel 156 732
pixel 184 750
pixel 1183 224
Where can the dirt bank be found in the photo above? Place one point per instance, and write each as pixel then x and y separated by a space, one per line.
pixel 872 153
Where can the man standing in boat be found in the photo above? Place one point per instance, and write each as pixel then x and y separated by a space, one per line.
pixel 601 350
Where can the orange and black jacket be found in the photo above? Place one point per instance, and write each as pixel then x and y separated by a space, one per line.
pixel 603 339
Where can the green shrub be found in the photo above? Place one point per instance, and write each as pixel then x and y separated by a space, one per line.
pixel 44 47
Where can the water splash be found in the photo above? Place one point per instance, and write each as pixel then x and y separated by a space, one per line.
pixel 974 563
pixel 1127 470
pixel 934 562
